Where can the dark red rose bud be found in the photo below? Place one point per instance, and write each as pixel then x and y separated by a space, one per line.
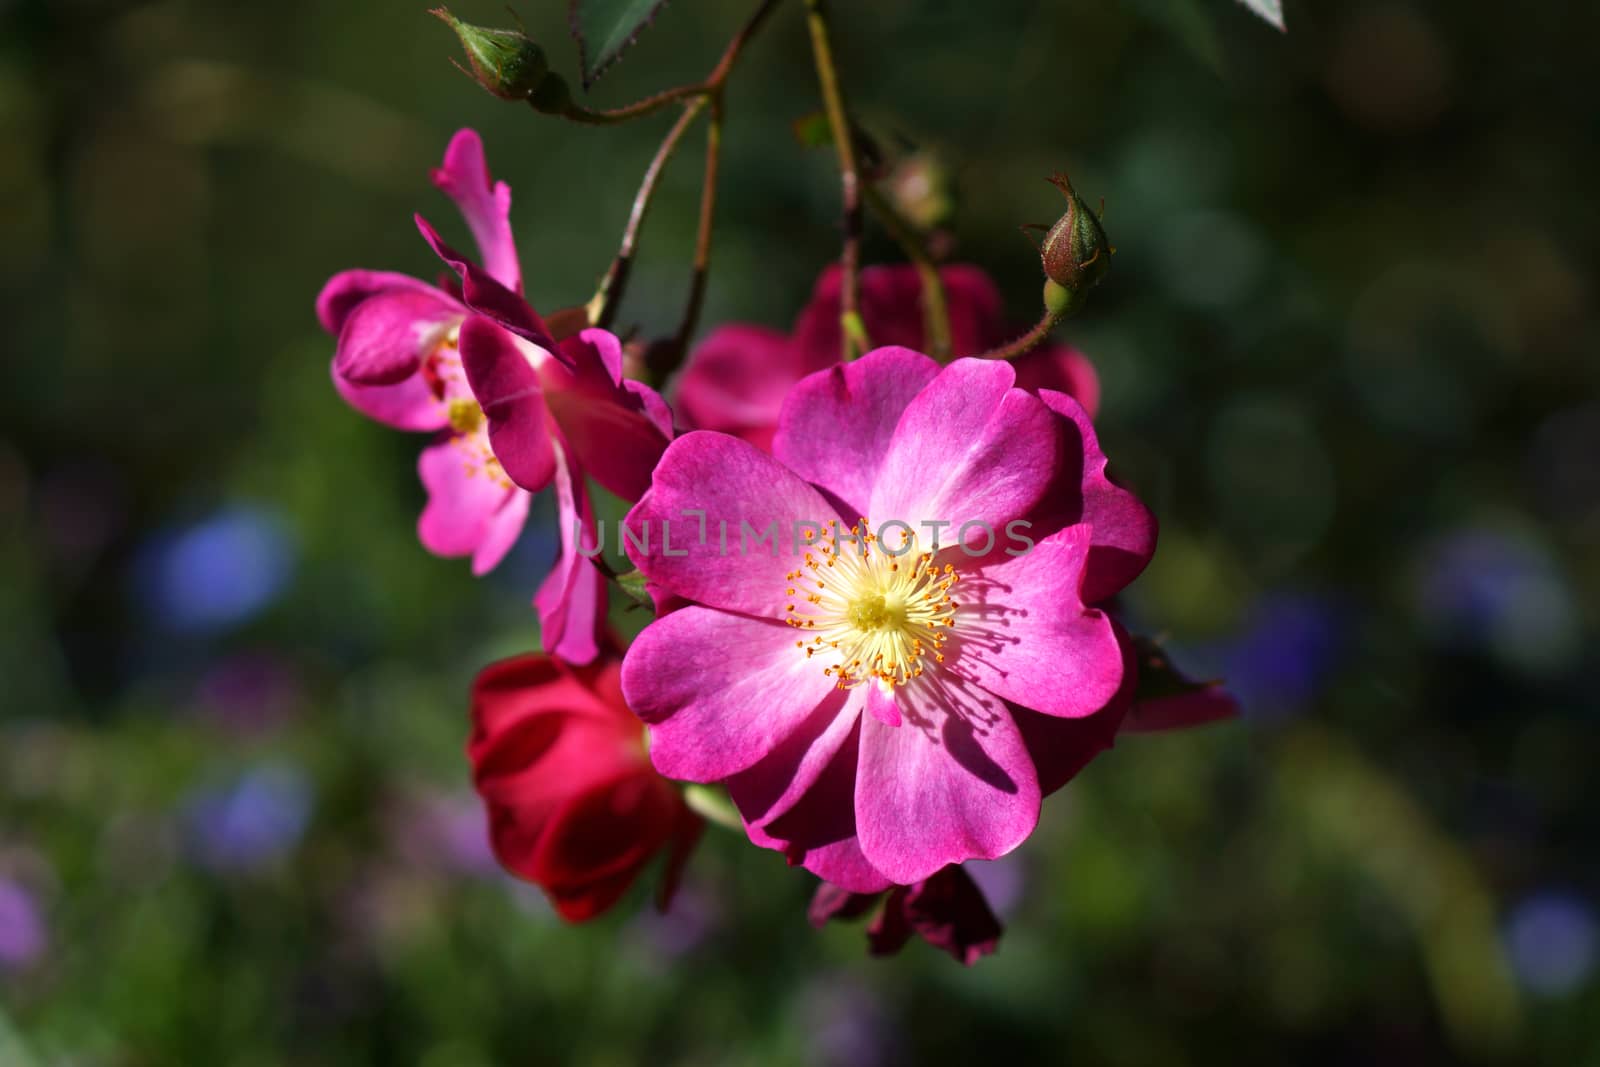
pixel 1075 253
pixel 574 805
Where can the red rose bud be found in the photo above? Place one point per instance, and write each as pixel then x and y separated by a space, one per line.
pixel 1075 253
pixel 573 803
pixel 505 62
pixel 948 911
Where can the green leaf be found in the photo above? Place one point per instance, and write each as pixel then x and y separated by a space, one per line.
pixel 605 28
pixel 1271 10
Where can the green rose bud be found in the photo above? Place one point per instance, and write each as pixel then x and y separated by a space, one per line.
pixel 1075 252
pixel 505 62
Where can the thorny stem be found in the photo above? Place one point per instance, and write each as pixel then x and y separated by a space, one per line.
pixel 711 86
pixel 603 307
pixel 1027 341
pixel 664 359
pixel 935 312
pixel 851 328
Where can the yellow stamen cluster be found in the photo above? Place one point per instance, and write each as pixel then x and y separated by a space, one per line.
pixel 871 613
pixel 464 414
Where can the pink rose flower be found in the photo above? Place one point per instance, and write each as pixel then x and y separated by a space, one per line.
pixel 512 409
pixel 396 361
pixel 879 716
pixel 738 376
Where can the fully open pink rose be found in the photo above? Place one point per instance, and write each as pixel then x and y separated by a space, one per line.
pixel 883 708
pixel 739 375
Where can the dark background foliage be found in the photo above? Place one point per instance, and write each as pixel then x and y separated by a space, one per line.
pixel 1348 354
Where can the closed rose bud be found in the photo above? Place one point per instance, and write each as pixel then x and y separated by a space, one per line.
pixel 573 803
pixel 505 62
pixel 1075 252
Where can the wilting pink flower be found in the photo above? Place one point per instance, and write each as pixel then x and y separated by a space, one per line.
pixel 880 715
pixel 738 376
pixel 947 910
pixel 514 409
pixel 574 805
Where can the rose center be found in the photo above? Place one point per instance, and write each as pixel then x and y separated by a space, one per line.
pixel 870 612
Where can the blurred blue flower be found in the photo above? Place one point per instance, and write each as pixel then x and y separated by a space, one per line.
pixel 1501 592
pixel 218 572
pixel 1552 940
pixel 682 928
pixel 845 1024
pixel 23 938
pixel 248 823
pixel 436 830
pixel 1287 650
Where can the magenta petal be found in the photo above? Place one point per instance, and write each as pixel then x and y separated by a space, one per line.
pixel 736 381
pixel 1124 529
pixel 1063 369
pixel 501 532
pixel 836 902
pixel 950 912
pixel 785 776
pixel 744 493
pixel 347 289
pixel 712 716
pixel 508 389
pixel 483 294
pixel 837 424
pixel 385 338
pixel 814 823
pixel 484 203
pixel 1062 747
pixel 953 783
pixel 843 863
pixel 616 432
pixel 969 449
pixel 1026 636
pixel 463 498
pixel 1179 711
pixel 407 405
pixel 881 706
pixel 572 599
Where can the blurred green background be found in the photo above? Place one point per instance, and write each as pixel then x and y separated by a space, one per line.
pixel 1348 352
